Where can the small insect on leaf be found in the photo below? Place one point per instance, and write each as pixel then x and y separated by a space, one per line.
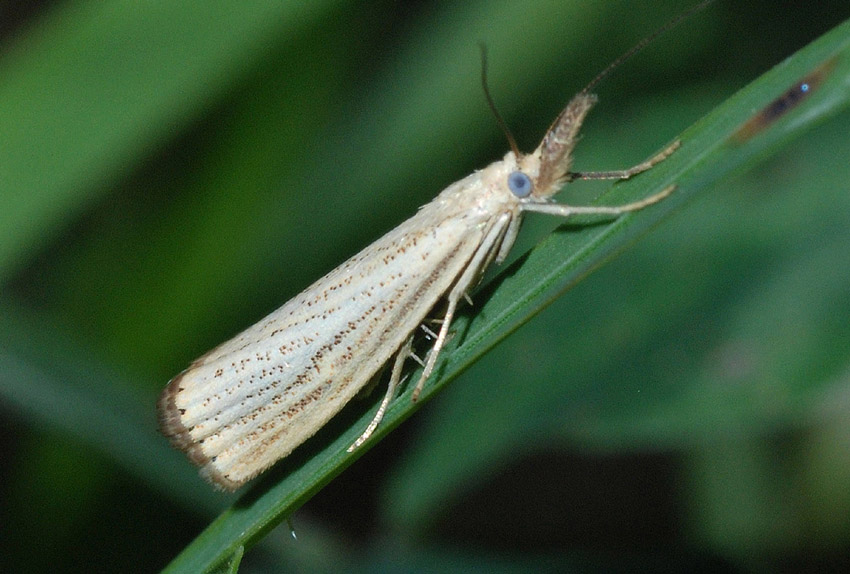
pixel 250 401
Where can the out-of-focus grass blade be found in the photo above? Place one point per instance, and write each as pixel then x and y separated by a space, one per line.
pixel 91 87
pixel 64 389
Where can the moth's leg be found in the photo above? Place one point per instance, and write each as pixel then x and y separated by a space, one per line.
pixel 430 334
pixel 435 350
pixel 508 240
pixel 395 380
pixel 627 173
pixel 568 210
pixel 482 255
pixel 428 331
pixel 416 358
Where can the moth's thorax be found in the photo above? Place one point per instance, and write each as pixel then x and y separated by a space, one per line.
pixel 485 191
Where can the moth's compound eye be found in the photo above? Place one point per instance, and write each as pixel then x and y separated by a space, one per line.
pixel 520 184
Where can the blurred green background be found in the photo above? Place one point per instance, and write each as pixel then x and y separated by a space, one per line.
pixel 171 172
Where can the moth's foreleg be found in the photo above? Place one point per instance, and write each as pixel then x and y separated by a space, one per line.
pixel 627 173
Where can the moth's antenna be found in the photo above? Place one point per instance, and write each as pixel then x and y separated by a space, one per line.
pixel 492 104
pixel 644 43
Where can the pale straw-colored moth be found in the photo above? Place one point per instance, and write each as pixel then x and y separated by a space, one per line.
pixel 250 401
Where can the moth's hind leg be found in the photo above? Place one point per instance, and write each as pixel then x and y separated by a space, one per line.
pixel 395 380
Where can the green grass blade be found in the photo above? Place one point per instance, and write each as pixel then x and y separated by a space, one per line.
pixel 708 154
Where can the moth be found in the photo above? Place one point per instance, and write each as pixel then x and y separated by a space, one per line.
pixel 250 401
